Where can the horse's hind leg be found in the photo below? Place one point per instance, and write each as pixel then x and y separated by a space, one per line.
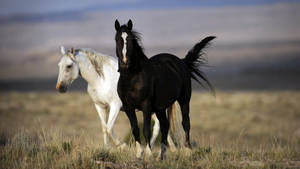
pixel 113 113
pixel 156 130
pixel 164 128
pixel 184 101
pixel 147 131
pixel 102 114
pixel 186 123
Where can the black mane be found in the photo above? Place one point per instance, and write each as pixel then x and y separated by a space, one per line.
pixel 137 41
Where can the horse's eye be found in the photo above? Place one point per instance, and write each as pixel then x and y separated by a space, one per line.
pixel 69 66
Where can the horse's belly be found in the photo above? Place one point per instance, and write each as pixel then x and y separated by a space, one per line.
pixel 165 99
pixel 167 90
pixel 133 99
pixel 132 94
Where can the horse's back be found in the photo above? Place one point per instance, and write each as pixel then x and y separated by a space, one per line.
pixel 164 57
pixel 169 65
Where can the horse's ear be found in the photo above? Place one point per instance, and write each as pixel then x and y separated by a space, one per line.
pixel 72 51
pixel 129 24
pixel 71 54
pixel 117 25
pixel 62 50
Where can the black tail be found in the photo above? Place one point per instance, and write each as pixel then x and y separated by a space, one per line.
pixel 194 59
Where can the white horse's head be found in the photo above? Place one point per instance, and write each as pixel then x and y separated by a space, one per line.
pixel 68 70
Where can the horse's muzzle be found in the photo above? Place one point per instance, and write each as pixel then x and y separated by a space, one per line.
pixel 123 66
pixel 60 87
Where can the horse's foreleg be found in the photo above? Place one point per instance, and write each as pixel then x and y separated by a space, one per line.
pixel 102 115
pixel 147 131
pixel 113 113
pixel 135 130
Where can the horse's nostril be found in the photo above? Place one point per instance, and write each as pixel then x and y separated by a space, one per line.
pixel 61 87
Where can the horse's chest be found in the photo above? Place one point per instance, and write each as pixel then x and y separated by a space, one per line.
pixel 133 91
pixel 100 96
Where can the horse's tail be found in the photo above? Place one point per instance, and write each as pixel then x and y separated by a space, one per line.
pixel 176 131
pixel 172 117
pixel 194 59
pixel 175 134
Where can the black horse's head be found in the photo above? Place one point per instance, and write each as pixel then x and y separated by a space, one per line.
pixel 126 44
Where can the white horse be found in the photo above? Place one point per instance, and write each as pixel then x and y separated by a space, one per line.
pixel 100 72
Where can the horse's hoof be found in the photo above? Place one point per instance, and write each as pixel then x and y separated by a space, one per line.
pixel 148 152
pixel 187 151
pixel 173 149
pixel 163 149
pixel 122 146
pixel 139 154
pixel 161 157
pixel 107 146
pixel 139 150
pixel 157 158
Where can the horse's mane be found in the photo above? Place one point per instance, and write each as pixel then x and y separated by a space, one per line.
pixel 136 37
pixel 97 59
pixel 137 42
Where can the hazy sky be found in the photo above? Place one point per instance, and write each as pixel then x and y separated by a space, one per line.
pixel 248 29
pixel 48 6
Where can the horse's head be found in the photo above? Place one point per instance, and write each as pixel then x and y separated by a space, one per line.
pixel 125 39
pixel 68 70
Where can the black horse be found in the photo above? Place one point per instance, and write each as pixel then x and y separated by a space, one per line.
pixel 152 85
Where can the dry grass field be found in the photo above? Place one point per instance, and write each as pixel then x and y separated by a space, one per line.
pixel 233 130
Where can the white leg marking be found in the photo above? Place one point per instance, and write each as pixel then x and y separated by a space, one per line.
pixel 139 150
pixel 102 115
pixel 124 50
pixel 148 151
pixel 155 130
pixel 117 142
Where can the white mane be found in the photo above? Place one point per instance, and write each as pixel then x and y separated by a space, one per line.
pixel 97 59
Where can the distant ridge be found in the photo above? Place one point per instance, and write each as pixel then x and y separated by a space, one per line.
pixel 224 82
pixel 39 85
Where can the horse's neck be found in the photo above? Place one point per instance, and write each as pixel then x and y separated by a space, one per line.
pixel 139 53
pixel 88 72
pixel 140 60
